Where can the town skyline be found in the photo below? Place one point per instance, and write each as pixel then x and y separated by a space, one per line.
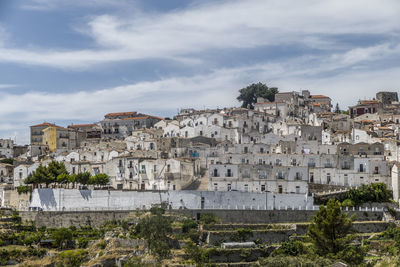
pixel 156 57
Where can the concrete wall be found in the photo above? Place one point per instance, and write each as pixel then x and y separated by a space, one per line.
pixel 66 219
pixel 72 199
pixel 97 218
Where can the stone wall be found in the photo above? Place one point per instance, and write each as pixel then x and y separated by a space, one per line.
pixel 97 218
pixel 275 216
pixel 79 218
pixel 11 199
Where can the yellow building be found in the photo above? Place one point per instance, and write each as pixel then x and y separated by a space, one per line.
pixel 50 138
pixel 56 137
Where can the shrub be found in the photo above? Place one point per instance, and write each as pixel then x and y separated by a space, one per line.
pixel 189 224
pixel 24 189
pixel 72 258
pixel 292 248
pixel 195 253
pixel 83 242
pixel 242 234
pixel 376 192
pixel 208 218
pixel 303 260
pixel 348 203
pixel 102 244
pixel 62 237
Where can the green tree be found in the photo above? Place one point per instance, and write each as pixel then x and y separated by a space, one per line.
pixel 40 176
pixel 330 229
pixel 99 179
pixel 248 95
pixel 61 237
pixel 56 169
pixel 83 178
pixel 155 229
pixel 62 178
pixel 72 180
pixel 376 192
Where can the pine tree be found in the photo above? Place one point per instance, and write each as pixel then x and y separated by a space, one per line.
pixel 330 229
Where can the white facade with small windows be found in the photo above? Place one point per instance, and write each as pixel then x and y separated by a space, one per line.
pixel 6 148
pixel 21 172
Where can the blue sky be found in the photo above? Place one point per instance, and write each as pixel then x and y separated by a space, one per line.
pixel 72 61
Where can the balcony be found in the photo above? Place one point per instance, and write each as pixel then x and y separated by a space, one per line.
pixel 228 174
pixel 311 164
pixel 346 167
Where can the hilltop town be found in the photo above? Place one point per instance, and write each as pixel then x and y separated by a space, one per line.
pixel 271 162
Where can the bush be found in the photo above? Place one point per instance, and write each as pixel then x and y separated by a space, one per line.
pixel 189 224
pixel 195 253
pixel 369 193
pixel 102 244
pixel 348 203
pixel 24 189
pixel 72 258
pixel 292 248
pixel 303 260
pixel 62 237
pixel 208 218
pixel 242 234
pixel 83 242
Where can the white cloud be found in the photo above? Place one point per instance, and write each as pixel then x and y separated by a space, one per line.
pixel 47 5
pixel 163 97
pixel 183 34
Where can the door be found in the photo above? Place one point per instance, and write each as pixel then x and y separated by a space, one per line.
pixel 143 186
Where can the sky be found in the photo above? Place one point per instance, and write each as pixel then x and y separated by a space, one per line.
pixel 72 61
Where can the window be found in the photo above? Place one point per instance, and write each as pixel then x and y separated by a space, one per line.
pixel 261 150
pixel 229 173
pixel 361 169
pixel 297 189
pixel 328 178
pixel 280 190
pixel 73 170
pixel 263 188
pixel 215 187
pixel 155 168
pixel 215 173
pixel 246 188
pixel 120 162
pixel 229 187
pixel 143 169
